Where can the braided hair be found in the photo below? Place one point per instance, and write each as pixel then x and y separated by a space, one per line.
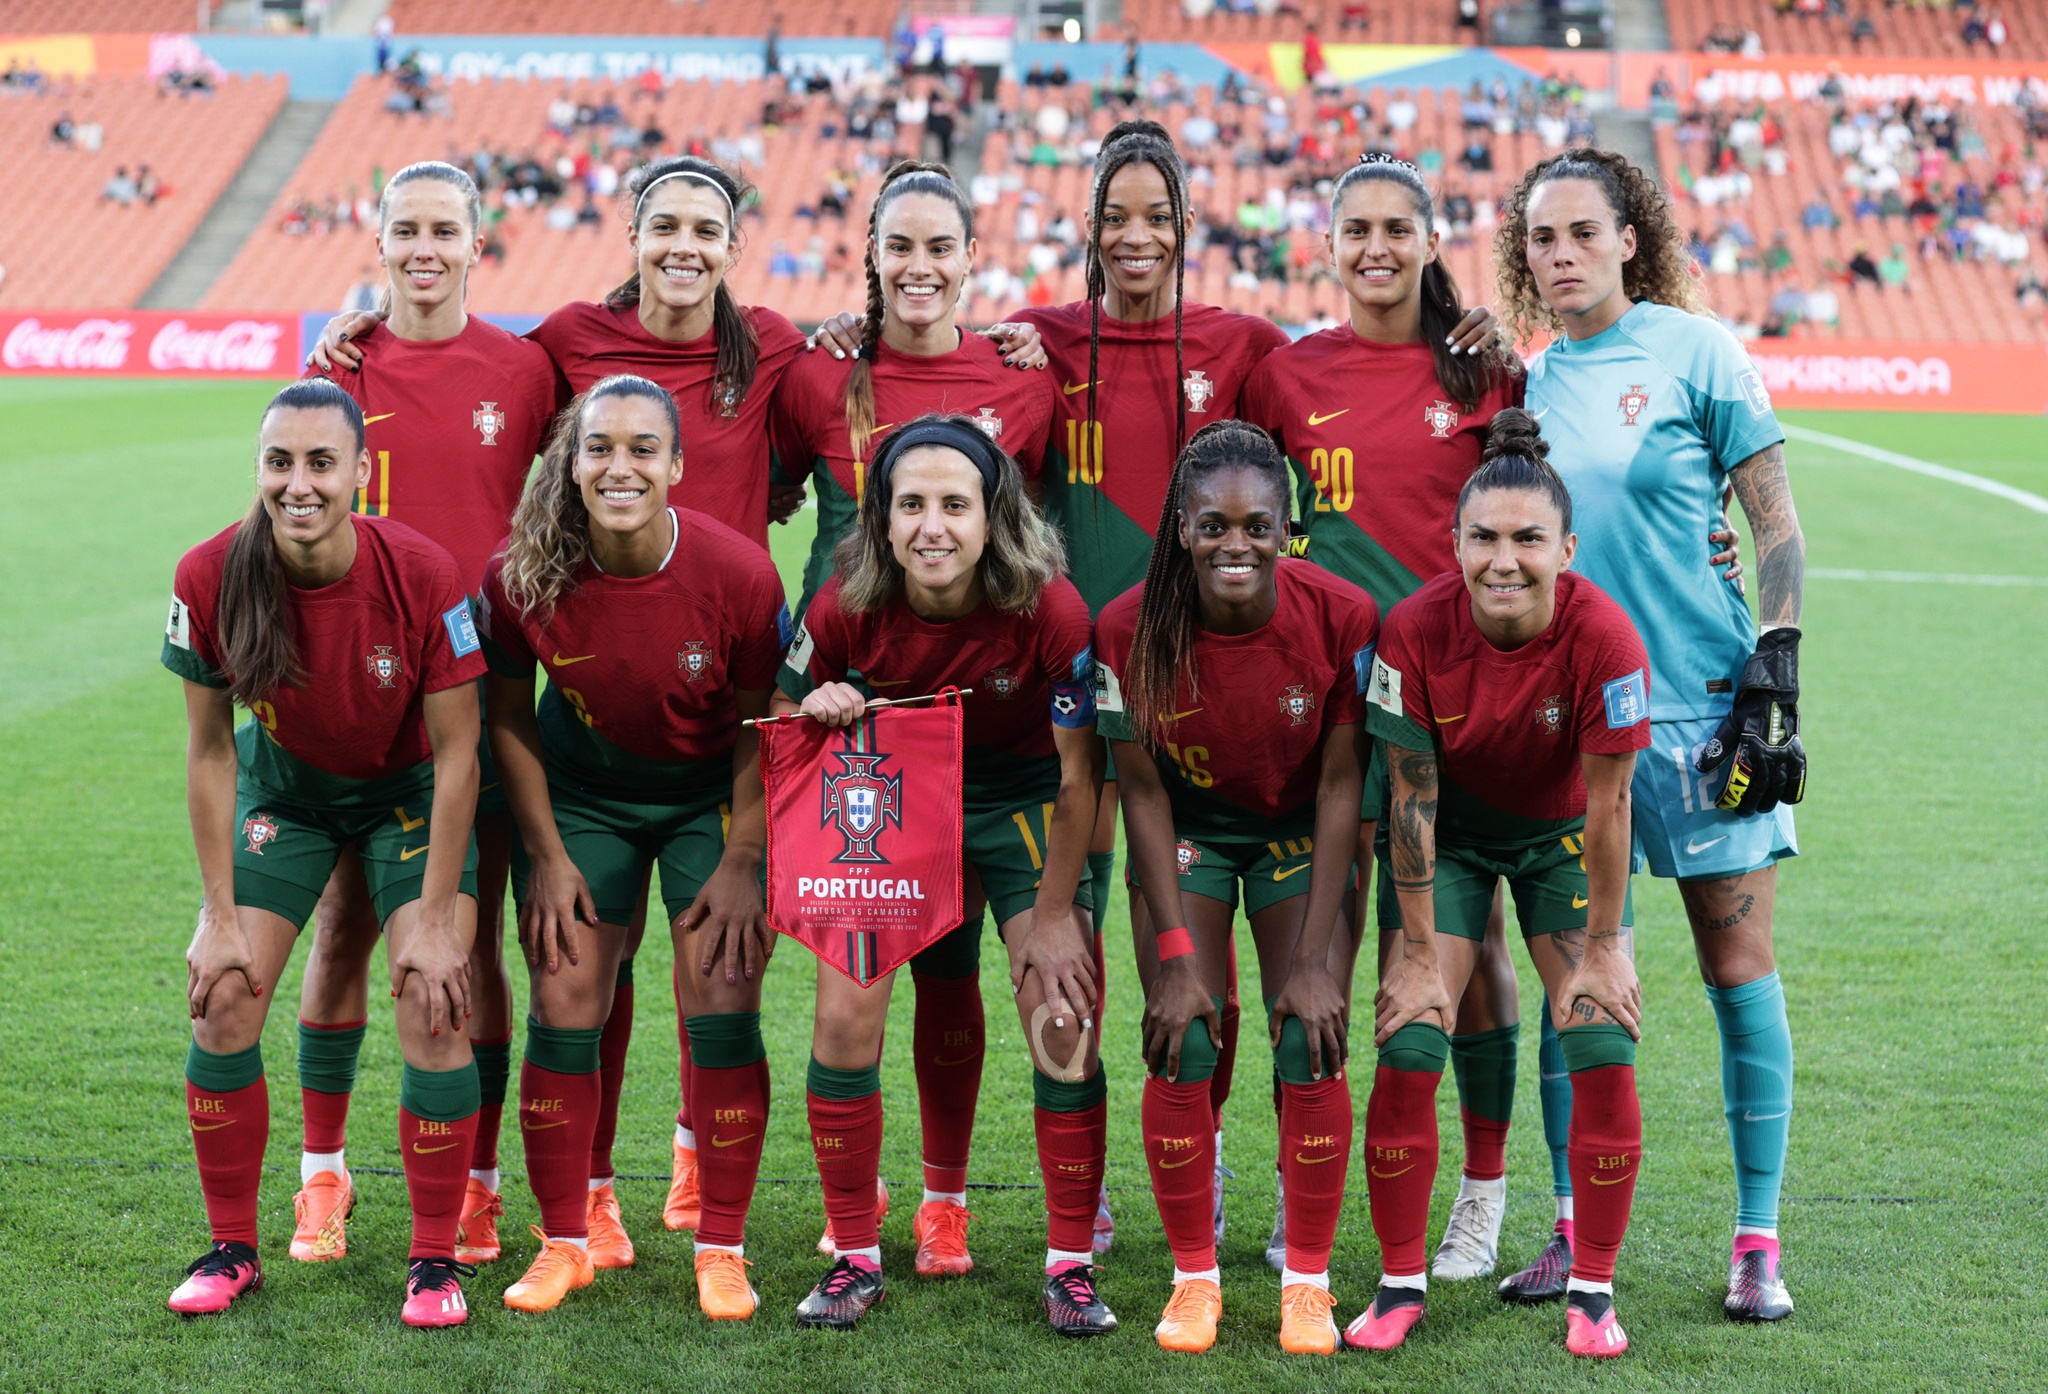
pixel 739 347
pixel 904 177
pixel 1163 646
pixel 1139 143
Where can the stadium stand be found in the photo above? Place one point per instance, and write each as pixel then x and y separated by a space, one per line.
pixel 79 228
pixel 1336 21
pixel 1875 222
pixel 1920 29
pixel 100 16
pixel 809 18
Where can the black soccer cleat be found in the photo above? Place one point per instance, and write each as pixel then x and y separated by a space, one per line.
pixel 1072 1304
pixel 1756 1292
pixel 1543 1280
pixel 842 1297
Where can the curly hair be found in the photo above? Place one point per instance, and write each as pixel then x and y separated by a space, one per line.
pixel 1660 271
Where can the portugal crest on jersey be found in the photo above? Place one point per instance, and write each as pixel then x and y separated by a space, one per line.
pixel 384 665
pixel 1550 715
pixel 1297 702
pixel 1441 418
pixel 1632 403
pixel 991 424
pixel 259 831
pixel 1188 855
pixel 1199 389
pixel 861 801
pixel 695 659
pixel 1003 683
pixel 488 420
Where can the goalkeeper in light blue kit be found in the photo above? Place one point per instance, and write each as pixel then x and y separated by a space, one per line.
pixel 1654 414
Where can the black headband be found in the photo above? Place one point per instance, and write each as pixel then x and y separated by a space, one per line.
pixel 955 433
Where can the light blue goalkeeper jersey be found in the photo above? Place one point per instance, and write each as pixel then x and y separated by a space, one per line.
pixel 1644 421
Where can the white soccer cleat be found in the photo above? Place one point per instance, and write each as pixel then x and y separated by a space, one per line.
pixel 1471 1243
pixel 1276 1247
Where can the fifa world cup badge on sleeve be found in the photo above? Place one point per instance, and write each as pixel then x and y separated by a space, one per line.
pixel 179 628
pixel 1385 691
pixel 1628 700
pixel 461 630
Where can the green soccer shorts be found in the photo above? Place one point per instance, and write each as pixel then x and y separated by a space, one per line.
pixel 614 841
pixel 1546 880
pixel 1269 872
pixel 1006 842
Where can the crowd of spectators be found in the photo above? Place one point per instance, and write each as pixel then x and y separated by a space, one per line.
pixel 1980 30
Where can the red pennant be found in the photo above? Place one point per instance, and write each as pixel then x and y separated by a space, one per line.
pixel 864 835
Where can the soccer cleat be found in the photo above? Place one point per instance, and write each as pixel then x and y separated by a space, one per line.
pixel 940 1230
pixel 1543 1280
pixel 216 1278
pixel 1471 1244
pixel 684 1209
pixel 1276 1247
pixel 1105 1224
pixel 609 1246
pixel 1386 1323
pixel 1306 1326
pixel 1590 1328
pixel 1189 1322
pixel 558 1270
pixel 1756 1292
pixel 433 1292
pixel 476 1233
pixel 322 1208
pixel 843 1296
pixel 1223 1174
pixel 1072 1305
pixel 825 1244
pixel 723 1291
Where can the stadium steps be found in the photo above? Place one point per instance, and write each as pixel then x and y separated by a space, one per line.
pixel 240 208
pixel 1629 133
pixel 1642 26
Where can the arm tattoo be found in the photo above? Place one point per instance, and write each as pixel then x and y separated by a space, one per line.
pixel 1414 813
pixel 1766 495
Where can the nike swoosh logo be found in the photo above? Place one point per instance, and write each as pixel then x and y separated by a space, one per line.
pixel 1541 414
pixel 561 662
pixel 1279 875
pixel 430 1151
pixel 1749 1117
pixel 406 854
pixel 1312 1161
pixel 213 1127
pixel 542 1127
pixel 963 1060
pixel 1695 848
pixel 1071 388
pixel 1579 902
pixel 1165 1165
pixel 1447 720
pixel 1566 1075
pixel 373 420
pixel 1315 420
pixel 1178 715
pixel 1390 1175
pixel 731 1141
pixel 1615 1182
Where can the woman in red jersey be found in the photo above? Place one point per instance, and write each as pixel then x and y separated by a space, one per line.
pixel 1231 690
pixel 951 578
pixel 1512 696
pixel 349 640
pixel 456 409
pixel 659 629
pixel 831 418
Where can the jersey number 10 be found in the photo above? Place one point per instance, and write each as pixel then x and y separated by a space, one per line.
pixel 1084 452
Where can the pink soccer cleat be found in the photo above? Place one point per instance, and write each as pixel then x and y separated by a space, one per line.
pixel 216 1278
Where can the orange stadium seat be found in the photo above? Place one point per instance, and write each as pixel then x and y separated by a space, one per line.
pixel 807 18
pixel 63 245
pixel 100 16
pixel 1913 30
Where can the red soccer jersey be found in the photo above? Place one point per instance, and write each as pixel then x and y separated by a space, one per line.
pixel 1104 485
pixel 642 670
pixel 1380 452
pixel 725 446
pixel 1244 751
pixel 370 647
pixel 452 429
pixel 811 438
pixel 1029 672
pixel 1509 726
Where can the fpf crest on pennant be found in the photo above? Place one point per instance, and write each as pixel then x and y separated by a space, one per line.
pixel 861 801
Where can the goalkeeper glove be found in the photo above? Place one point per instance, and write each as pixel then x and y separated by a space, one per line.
pixel 1758 741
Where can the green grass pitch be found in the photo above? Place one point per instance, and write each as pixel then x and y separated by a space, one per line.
pixel 1908 936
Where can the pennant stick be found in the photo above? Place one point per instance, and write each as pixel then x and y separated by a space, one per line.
pixel 879 702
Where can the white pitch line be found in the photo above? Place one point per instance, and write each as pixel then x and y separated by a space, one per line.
pixel 1926 467
pixel 1948 578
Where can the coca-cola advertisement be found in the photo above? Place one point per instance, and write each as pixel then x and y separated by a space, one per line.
pixel 149 343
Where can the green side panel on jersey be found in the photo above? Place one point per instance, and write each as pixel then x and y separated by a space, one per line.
pixel 502 663
pixel 1396 730
pixel 191 667
pixel 579 758
pixel 1470 821
pixel 837 512
pixel 1342 548
pixel 276 771
pixel 1000 779
pixel 1107 549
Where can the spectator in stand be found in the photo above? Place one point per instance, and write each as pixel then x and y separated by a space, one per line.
pixel 120 188
pixel 1778 256
pixel 1468 21
pixel 1823 306
pixel 1356 17
pixel 1995 33
pixel 1478 156
pixel 148 188
pixel 363 292
pixel 381 32
pixel 938 125
pixel 781 265
pixel 1892 271
pixel 64 131
pixel 1819 214
pixel 1312 65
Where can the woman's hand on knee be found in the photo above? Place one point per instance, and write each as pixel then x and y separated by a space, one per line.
pixel 220 947
pixel 1178 999
pixel 1056 948
pixel 1314 999
pixel 557 897
pixel 1603 989
pixel 730 923
pixel 1412 990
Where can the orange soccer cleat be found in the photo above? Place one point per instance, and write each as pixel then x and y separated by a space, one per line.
pixel 322 1208
pixel 684 1209
pixel 558 1270
pixel 940 1230
pixel 722 1287
pixel 476 1233
pixel 1189 1322
pixel 1306 1326
pixel 609 1245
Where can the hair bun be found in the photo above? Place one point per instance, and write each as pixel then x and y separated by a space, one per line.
pixel 1515 432
pixel 1141 127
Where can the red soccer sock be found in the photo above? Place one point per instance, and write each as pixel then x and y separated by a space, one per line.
pixel 436 1175
pixel 1605 1151
pixel 846 1135
pixel 326 1125
pixel 1071 1149
pixel 1401 1158
pixel 1486 1146
pixel 948 1040
pixel 1315 1153
pixel 557 1114
pixel 1226 1054
pixel 683 1055
pixel 229 1132
pixel 1180 1148
pixel 735 1101
pixel 611 1069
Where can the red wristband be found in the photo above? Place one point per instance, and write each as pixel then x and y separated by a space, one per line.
pixel 1175 943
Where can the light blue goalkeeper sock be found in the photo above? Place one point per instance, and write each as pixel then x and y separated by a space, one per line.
pixel 1756 1085
pixel 1556 1093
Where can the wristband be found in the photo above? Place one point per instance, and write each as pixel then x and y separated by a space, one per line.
pixel 1175 943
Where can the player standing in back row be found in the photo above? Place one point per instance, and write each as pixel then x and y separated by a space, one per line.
pixel 1654 411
